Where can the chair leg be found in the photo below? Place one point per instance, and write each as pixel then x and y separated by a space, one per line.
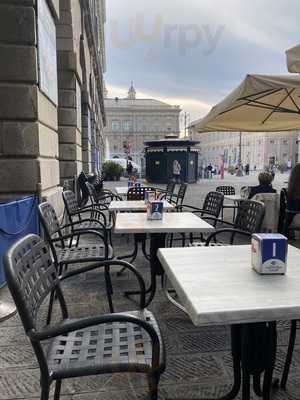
pixel 109 289
pixel 50 307
pixel 153 381
pixel 57 389
pixel 289 354
pixel 45 392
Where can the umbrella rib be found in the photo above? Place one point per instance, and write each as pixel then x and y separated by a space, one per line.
pixel 260 95
pixel 278 106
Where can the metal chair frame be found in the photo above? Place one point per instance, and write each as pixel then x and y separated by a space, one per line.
pixel 248 220
pixel 212 207
pixel 177 198
pixel 137 193
pixel 228 190
pixel 110 343
pixel 65 253
pixel 96 212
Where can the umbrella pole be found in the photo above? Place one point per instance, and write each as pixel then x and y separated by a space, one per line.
pixel 239 171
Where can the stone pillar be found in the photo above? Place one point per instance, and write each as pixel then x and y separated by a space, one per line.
pixel 69 31
pixel 28 111
pixel 86 138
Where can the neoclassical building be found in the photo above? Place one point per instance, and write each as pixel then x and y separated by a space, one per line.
pixel 52 109
pixel 132 121
pixel 259 149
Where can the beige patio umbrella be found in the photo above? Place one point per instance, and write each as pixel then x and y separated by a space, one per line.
pixel 293 59
pixel 265 103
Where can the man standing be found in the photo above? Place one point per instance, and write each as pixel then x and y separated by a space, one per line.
pixel 129 169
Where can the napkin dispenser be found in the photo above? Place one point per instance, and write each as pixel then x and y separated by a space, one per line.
pixel 269 253
pixel 155 210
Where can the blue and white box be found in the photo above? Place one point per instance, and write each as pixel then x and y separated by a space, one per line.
pixel 269 253
pixel 155 210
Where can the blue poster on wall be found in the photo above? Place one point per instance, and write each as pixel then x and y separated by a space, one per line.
pixel 47 57
pixel 17 219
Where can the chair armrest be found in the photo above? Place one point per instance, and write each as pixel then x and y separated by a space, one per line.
pixel 109 263
pixel 226 230
pixel 66 327
pixel 81 232
pixel 90 210
pixel 73 224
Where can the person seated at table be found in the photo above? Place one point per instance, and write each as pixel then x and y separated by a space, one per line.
pixel 293 197
pixel 265 185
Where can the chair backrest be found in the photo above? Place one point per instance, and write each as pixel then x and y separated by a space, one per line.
pixel 213 203
pixel 92 193
pixel 31 276
pixel 170 190
pixel 138 193
pixel 271 203
pixel 181 194
pixel 50 225
pixel 250 216
pixel 82 178
pixel 227 190
pixel 71 203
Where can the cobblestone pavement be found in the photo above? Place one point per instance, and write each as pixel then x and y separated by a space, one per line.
pixel 198 360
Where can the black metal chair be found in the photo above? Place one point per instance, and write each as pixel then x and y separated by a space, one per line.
pixel 212 207
pixel 137 193
pixel 74 212
pixel 248 220
pixel 64 253
pixel 101 199
pixel 95 213
pixel 104 344
pixel 167 194
pixel 228 190
pixel 177 198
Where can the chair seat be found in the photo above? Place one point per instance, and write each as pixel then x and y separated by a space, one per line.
pixel 92 252
pixel 105 348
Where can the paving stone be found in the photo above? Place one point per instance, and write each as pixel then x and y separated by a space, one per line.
pixel 199 362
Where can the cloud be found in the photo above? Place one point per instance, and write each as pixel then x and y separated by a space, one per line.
pixel 195 106
pixel 194 53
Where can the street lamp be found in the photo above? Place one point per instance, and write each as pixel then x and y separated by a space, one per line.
pixel 239 171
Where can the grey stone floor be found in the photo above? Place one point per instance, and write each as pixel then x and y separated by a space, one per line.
pixel 198 360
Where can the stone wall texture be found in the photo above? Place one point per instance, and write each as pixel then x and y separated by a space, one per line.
pixel 43 143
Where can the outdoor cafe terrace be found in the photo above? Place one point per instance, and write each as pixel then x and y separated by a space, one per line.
pixel 198 358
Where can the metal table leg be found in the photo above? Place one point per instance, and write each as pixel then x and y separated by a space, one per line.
pixel 157 240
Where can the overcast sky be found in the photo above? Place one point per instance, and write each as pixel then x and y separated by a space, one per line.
pixel 194 52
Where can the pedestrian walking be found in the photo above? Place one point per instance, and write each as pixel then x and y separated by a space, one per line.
pixel 176 171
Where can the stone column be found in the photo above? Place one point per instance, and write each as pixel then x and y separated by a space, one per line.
pixel 28 111
pixel 86 137
pixel 69 31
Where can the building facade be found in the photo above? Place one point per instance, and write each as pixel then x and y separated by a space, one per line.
pixel 52 113
pixel 133 121
pixel 258 149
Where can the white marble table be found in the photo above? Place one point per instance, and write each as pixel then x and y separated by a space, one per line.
pixel 134 205
pixel 171 223
pixel 217 286
pixel 233 197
